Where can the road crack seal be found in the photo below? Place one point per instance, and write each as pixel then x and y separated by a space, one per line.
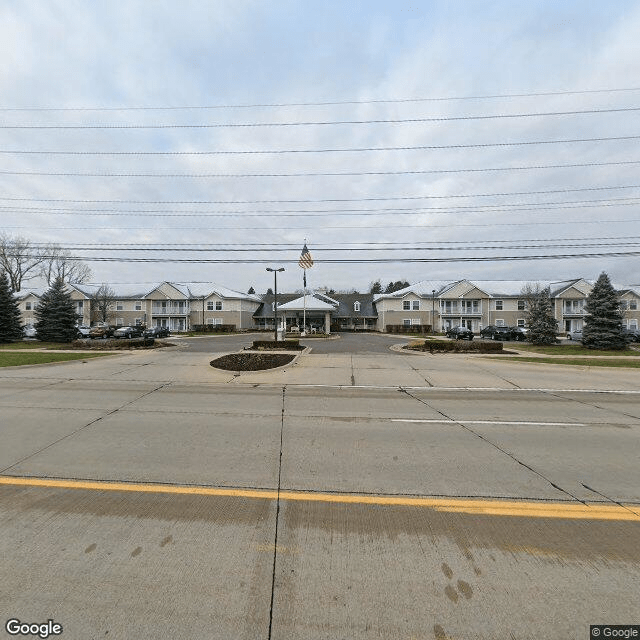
pixel 92 422
pixel 496 446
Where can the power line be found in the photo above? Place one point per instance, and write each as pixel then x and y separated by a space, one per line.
pixel 310 151
pixel 310 123
pixel 286 213
pixel 335 174
pixel 319 200
pixel 315 228
pixel 616 254
pixel 326 103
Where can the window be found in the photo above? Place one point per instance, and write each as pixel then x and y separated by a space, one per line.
pixel 521 322
pixel 633 324
pixel 214 320
pixel 218 305
pixel 521 305
pixel 138 322
pixel 499 322
pixel 210 305
pixel 415 321
pixel 138 306
pixel 27 306
pixel 498 306
pixel 119 306
pixel 416 305
pixel 407 322
pixel 80 304
pixel 633 305
pixel 356 306
pixel 406 305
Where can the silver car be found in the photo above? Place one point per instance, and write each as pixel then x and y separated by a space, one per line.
pixel 575 335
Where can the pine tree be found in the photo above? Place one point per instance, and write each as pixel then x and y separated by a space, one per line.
pixel 603 321
pixel 56 317
pixel 543 327
pixel 10 327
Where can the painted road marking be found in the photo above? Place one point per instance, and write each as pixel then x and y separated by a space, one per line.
pixel 477 506
pixel 443 421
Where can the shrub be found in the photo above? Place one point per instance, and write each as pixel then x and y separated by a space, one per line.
pixel 440 346
pixel 262 345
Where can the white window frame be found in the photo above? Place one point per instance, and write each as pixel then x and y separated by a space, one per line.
pixel 214 321
pixel 415 305
pixel 138 305
pixel 27 306
pixel 119 305
pixel 633 305
pixel 218 305
pixel 633 324
pixel 521 322
pixel 356 306
pixel 522 305
pixel 406 322
pixel 500 322
pixel 138 322
pixel 406 305
pixel 415 321
pixel 499 306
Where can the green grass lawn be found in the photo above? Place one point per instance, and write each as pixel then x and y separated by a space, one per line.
pixel 16 358
pixel 32 344
pixel 570 350
pixel 581 362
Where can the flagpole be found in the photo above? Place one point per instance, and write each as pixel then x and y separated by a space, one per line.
pixel 304 302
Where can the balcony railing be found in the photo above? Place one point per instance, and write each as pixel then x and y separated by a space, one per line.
pixel 171 310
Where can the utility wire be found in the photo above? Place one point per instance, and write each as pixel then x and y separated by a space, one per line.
pixel 319 200
pixel 312 123
pixel 316 229
pixel 327 103
pixel 329 150
pixel 573 256
pixel 281 213
pixel 318 173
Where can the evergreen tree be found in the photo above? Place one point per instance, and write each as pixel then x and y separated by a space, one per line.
pixel 251 290
pixel 603 321
pixel 376 287
pixel 543 327
pixel 56 316
pixel 10 327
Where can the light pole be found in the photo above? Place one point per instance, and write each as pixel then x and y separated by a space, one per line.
pixel 433 310
pixel 275 301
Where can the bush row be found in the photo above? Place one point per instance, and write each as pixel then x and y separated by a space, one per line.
pixel 214 328
pixel 413 328
pixel 440 346
pixel 263 345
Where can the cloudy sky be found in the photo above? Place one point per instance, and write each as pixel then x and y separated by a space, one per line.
pixel 380 131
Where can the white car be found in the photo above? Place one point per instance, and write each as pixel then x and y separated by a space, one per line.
pixel 575 335
pixel 84 331
pixel 29 331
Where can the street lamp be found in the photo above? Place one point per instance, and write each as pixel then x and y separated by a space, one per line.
pixel 275 301
pixel 433 310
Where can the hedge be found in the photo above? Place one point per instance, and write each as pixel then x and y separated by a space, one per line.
pixel 214 328
pixel 292 345
pixel 440 346
pixel 408 328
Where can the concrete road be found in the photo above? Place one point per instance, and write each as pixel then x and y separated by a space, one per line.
pixel 142 497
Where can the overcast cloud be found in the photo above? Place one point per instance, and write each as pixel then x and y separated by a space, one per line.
pixel 78 56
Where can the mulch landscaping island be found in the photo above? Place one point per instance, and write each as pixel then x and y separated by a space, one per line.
pixel 252 361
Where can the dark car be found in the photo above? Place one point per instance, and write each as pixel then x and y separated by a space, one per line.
pixel 156 332
pixel 518 333
pixel 128 332
pixel 495 332
pixel 632 335
pixel 460 333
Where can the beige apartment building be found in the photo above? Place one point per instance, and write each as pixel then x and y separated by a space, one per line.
pixel 439 304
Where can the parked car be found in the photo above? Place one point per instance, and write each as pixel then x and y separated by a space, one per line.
pixel 101 331
pixel 128 332
pixel 84 331
pixel 575 335
pixel 29 331
pixel 518 333
pixel 460 333
pixel 156 332
pixel 487 332
pixel 632 335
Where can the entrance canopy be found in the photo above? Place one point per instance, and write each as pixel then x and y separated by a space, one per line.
pixel 310 302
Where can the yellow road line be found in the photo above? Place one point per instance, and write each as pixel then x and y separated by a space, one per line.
pixel 477 506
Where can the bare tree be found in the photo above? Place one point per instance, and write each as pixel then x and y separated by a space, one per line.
pixel 58 263
pixel 103 303
pixel 19 259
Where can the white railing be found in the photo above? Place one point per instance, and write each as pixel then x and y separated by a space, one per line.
pixel 171 310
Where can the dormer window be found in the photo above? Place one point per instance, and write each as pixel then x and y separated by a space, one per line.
pixel 356 306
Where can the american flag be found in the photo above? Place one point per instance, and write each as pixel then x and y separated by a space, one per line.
pixel 306 261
